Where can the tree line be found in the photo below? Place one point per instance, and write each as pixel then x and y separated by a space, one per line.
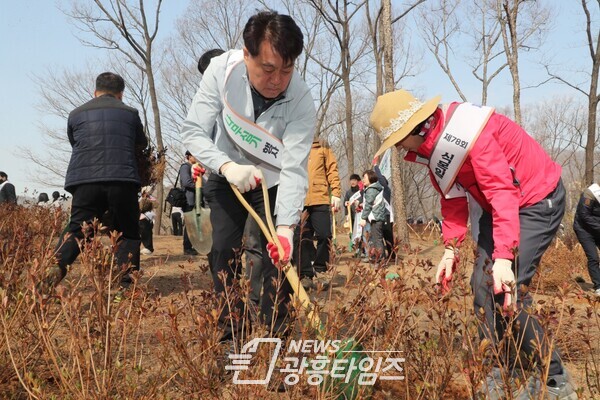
pixel 354 51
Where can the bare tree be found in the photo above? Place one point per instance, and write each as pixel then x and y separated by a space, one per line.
pixel 522 24
pixel 338 18
pixel 124 26
pixel 593 97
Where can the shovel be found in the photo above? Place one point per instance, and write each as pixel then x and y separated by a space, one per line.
pixel 350 350
pixel 197 223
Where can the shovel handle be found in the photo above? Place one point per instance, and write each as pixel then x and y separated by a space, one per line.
pixel 290 272
pixel 198 185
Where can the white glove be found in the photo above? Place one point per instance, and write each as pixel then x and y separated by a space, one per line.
pixel 245 177
pixel 504 278
pixel 445 267
pixel 336 203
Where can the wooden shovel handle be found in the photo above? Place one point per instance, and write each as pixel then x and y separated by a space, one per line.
pixel 290 272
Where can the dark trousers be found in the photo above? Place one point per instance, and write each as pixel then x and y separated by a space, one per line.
pixel 91 201
pixel 253 251
pixel 228 219
pixel 376 243
pixel 146 233
pixel 177 224
pixel 539 223
pixel 187 245
pixel 315 224
pixel 388 238
pixel 590 245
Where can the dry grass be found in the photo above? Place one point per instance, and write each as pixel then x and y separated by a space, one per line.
pixel 161 341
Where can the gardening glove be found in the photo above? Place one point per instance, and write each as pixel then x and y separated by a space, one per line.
pixel 446 267
pixel 504 281
pixel 336 202
pixel 197 171
pixel 285 236
pixel 363 222
pixel 245 177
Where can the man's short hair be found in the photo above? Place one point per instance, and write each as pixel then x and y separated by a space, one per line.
pixel 110 82
pixel 280 30
pixel 3 175
pixel 205 58
pixel 355 177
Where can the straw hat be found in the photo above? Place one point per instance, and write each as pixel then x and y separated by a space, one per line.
pixel 396 114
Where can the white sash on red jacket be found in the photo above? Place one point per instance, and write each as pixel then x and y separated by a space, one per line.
pixel 454 144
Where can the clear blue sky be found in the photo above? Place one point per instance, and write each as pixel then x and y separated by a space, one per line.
pixel 36 36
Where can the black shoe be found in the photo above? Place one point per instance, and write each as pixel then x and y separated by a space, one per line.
pixel 190 252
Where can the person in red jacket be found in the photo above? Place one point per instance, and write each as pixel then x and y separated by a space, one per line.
pixel 476 155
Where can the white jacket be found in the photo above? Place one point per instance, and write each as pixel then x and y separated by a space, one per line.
pixel 291 119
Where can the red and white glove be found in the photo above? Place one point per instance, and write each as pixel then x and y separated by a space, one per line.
pixel 336 203
pixel 445 269
pixel 286 238
pixel 504 281
pixel 197 170
pixel 245 177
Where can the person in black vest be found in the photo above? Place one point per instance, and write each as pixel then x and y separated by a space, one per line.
pixel 106 135
pixel 7 190
pixel 587 229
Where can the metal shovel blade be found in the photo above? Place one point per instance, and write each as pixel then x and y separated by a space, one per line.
pixel 197 223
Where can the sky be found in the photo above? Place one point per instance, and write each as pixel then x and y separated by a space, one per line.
pixel 36 36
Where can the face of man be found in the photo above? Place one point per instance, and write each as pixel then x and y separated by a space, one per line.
pixel 353 183
pixel 267 72
pixel 192 159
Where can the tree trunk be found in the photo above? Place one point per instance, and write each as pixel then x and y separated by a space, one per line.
pixel 159 142
pixel 590 145
pixel 348 119
pixel 397 180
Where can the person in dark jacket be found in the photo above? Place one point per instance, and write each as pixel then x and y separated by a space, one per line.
pixel 7 190
pixel 352 191
pixel 375 212
pixel 188 184
pixel 587 229
pixel 106 135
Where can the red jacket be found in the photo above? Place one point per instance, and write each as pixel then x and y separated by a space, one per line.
pixel 486 174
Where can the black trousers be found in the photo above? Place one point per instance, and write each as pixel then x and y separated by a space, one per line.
pixel 177 224
pixel 146 233
pixel 228 219
pixel 317 225
pixel 187 245
pixel 539 223
pixel 92 200
pixel 590 245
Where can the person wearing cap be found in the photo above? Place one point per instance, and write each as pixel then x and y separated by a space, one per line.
pixel 473 151
pixel 587 228
pixel 263 117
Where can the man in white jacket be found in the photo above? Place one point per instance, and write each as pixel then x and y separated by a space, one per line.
pixel 263 118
